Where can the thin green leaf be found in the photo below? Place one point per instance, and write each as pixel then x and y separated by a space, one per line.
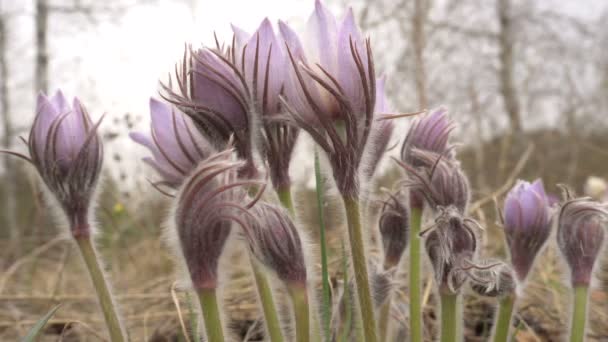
pixel 326 304
pixel 37 328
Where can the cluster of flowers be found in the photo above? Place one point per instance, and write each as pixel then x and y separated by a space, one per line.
pixel 232 114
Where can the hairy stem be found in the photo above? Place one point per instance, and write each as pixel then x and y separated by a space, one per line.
pixel 579 314
pixel 270 312
pixel 110 314
pixel 449 317
pixel 384 320
pixel 414 276
pixel 326 304
pixel 355 234
pixel 299 299
pixel 284 194
pixel 503 321
pixel 211 315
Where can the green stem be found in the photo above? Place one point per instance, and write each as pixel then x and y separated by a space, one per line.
pixel 414 276
pixel 270 311
pixel 101 287
pixel 384 319
pixel 579 314
pixel 357 248
pixel 299 299
pixel 284 194
pixel 326 305
pixel 503 322
pixel 449 317
pixel 211 315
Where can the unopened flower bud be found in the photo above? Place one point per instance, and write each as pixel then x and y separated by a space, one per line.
pixel 580 236
pixel 210 199
pixel 527 224
pixel 275 242
pixel 430 132
pixel 394 228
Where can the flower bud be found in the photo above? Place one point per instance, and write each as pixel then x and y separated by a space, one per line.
pixel 210 199
pixel 527 224
pixel 275 242
pixel 580 236
pixel 440 181
pixel 430 132
pixel 492 278
pixel 394 229
pixel 67 152
pixel 176 145
pixel 451 247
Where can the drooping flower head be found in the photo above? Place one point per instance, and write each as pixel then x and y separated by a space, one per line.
pixel 451 247
pixel 492 278
pixel 331 93
pixel 67 152
pixel 207 204
pixel 275 242
pixel 527 224
pixel 430 132
pixel 394 228
pixel 580 236
pixel 439 181
pixel 176 145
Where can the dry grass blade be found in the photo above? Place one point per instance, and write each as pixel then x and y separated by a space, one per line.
pixel 179 313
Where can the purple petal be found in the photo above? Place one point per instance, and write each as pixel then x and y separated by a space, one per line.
pixel 322 33
pixel 349 76
pixel 45 115
pixel 59 102
pixel 240 38
pixel 292 40
pixel 381 101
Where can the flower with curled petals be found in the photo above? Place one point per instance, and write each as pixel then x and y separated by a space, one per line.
pixel 527 224
pixel 176 145
pixel 67 152
pixel 430 132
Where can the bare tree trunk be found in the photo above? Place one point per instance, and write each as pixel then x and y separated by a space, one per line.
pixel 507 65
pixel 42 56
pixel 9 191
pixel 419 41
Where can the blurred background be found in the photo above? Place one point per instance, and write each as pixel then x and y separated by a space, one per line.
pixel 527 82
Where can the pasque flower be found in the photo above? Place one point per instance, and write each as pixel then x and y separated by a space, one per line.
pixel 274 240
pixel 580 236
pixel 394 228
pixel 210 199
pixel 67 152
pixel 226 89
pixel 430 132
pixel 176 145
pixel 331 93
pixel 527 224
pixel 438 180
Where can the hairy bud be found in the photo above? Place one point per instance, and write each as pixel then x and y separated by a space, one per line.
pixel 580 236
pixel 430 132
pixel 394 228
pixel 492 278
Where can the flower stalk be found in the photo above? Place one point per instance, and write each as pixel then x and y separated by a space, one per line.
pixel 355 234
pixel 503 321
pixel 414 275
pixel 579 314
pixel 110 314
pixel 265 293
pixel 383 320
pixel 211 314
pixel 326 301
pixel 449 317
pixel 285 198
pixel 299 299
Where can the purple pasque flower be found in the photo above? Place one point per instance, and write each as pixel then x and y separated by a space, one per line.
pixel 274 240
pixel 331 93
pixel 580 236
pixel 438 180
pixel 451 248
pixel 430 132
pixel 67 152
pixel 176 145
pixel 210 200
pixel 225 89
pixel 527 224
pixel 394 228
